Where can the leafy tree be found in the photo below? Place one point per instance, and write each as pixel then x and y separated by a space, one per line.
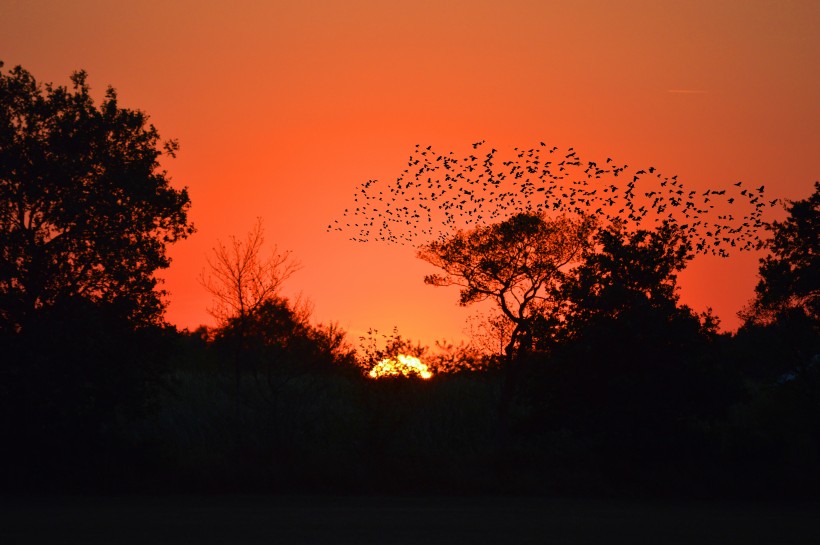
pixel 279 326
pixel 790 275
pixel 779 338
pixel 85 208
pixel 624 271
pixel 627 383
pixel 280 343
pixel 518 263
pixel 773 434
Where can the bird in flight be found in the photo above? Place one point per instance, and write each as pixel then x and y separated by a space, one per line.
pixel 442 192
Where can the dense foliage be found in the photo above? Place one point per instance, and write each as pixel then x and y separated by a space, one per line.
pixel 790 275
pixel 85 209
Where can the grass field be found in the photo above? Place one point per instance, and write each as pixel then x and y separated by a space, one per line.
pixel 416 520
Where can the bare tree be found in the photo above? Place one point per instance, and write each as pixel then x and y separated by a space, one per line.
pixel 490 333
pixel 240 278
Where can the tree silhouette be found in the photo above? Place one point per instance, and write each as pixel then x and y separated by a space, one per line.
pixel 85 208
pixel 241 278
pixel 790 276
pixel 518 263
pixel 779 337
pixel 627 373
pixel 625 270
pixel 489 334
pixel 279 343
pixel 242 281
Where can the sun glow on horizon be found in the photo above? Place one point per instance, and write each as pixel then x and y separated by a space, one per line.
pixel 400 366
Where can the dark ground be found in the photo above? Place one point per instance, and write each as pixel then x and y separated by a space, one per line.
pixel 371 520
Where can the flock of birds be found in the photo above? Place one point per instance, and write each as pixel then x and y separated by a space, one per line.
pixel 437 194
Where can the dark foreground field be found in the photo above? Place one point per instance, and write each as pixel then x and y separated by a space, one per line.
pixel 371 520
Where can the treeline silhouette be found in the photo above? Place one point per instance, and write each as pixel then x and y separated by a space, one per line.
pixel 604 384
pixel 649 402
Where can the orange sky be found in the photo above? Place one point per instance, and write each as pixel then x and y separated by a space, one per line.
pixel 281 109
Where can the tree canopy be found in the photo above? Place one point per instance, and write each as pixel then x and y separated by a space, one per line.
pixel 790 275
pixel 626 269
pixel 86 209
pixel 517 263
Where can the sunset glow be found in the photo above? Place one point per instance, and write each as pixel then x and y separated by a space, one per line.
pixel 230 232
pixel 400 366
pixel 282 110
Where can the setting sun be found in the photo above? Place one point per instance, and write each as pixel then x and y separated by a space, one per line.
pixel 401 365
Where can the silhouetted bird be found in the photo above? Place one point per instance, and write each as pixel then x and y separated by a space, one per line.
pixel 465 187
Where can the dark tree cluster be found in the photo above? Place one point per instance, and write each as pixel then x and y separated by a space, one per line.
pixel 790 275
pixel 591 378
pixel 85 208
pixel 86 213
